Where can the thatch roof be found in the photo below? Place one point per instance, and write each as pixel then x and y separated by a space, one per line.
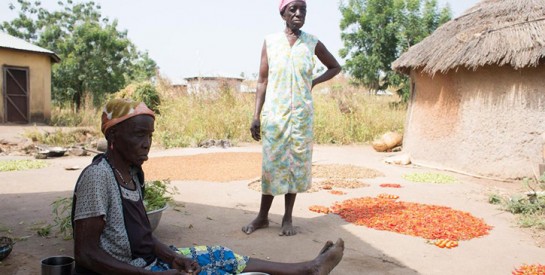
pixel 493 32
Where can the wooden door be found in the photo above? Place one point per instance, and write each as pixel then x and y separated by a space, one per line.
pixel 16 103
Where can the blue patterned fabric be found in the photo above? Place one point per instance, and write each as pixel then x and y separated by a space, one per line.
pixel 214 260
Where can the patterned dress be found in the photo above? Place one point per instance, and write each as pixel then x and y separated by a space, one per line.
pixel 287 115
pixel 97 194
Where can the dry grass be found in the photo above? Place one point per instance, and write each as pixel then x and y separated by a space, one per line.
pixel 344 114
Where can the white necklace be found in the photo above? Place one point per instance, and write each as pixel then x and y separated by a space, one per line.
pixel 120 176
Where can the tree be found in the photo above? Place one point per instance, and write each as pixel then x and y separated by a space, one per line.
pixel 97 58
pixel 376 32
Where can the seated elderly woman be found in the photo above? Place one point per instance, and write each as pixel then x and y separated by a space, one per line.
pixel 112 234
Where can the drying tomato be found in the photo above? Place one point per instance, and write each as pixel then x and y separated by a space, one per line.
pixel 319 209
pixel 535 269
pixel 427 221
pixel 391 185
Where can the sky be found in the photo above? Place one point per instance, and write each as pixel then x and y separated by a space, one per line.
pixel 215 37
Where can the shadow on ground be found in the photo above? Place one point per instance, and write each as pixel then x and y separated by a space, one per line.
pixel 193 224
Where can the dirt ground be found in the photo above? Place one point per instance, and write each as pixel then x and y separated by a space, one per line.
pixel 216 199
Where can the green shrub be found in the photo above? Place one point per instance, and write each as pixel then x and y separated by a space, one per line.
pixel 147 93
pixel 528 207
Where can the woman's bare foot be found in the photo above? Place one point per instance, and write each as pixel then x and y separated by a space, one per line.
pixel 256 224
pixel 326 247
pixel 287 229
pixel 329 259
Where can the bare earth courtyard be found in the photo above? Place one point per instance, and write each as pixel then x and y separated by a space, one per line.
pixel 215 200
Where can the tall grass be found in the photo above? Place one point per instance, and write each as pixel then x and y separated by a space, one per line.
pixel 343 115
pixel 187 120
pixel 68 116
pixel 355 117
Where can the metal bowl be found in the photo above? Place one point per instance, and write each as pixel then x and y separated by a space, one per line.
pixel 6 245
pixel 56 152
pixel 155 216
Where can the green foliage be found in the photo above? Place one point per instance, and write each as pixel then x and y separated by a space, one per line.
pixel 44 231
pixel 494 199
pixel 429 178
pixel 147 93
pixel 158 194
pixel 529 207
pixel 62 210
pixel 19 165
pixel 376 32
pixel 97 58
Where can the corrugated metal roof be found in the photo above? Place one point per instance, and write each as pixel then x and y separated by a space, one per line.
pixel 12 42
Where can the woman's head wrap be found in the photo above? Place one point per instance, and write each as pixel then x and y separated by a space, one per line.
pixel 120 109
pixel 284 3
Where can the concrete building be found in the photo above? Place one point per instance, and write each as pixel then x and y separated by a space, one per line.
pixel 211 84
pixel 25 81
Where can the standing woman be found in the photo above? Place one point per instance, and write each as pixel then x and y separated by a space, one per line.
pixel 284 112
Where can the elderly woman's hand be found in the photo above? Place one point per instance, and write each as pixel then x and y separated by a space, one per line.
pixel 255 129
pixel 185 265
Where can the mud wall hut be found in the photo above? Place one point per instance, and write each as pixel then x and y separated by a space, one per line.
pixel 477 102
pixel 25 81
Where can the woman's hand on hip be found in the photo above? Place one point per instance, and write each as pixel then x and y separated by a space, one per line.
pixel 255 129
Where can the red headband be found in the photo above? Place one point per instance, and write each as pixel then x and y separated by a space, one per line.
pixel 119 110
pixel 284 3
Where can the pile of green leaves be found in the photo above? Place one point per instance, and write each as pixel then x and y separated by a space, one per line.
pixel 429 178
pixel 158 194
pixel 18 165
pixel 62 209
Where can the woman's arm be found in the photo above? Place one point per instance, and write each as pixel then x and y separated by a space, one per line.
pixel 333 67
pixel 88 253
pixel 262 82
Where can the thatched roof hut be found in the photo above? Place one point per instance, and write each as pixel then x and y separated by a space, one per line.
pixel 493 32
pixel 478 91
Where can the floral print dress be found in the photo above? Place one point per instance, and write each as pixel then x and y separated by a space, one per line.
pixel 287 115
